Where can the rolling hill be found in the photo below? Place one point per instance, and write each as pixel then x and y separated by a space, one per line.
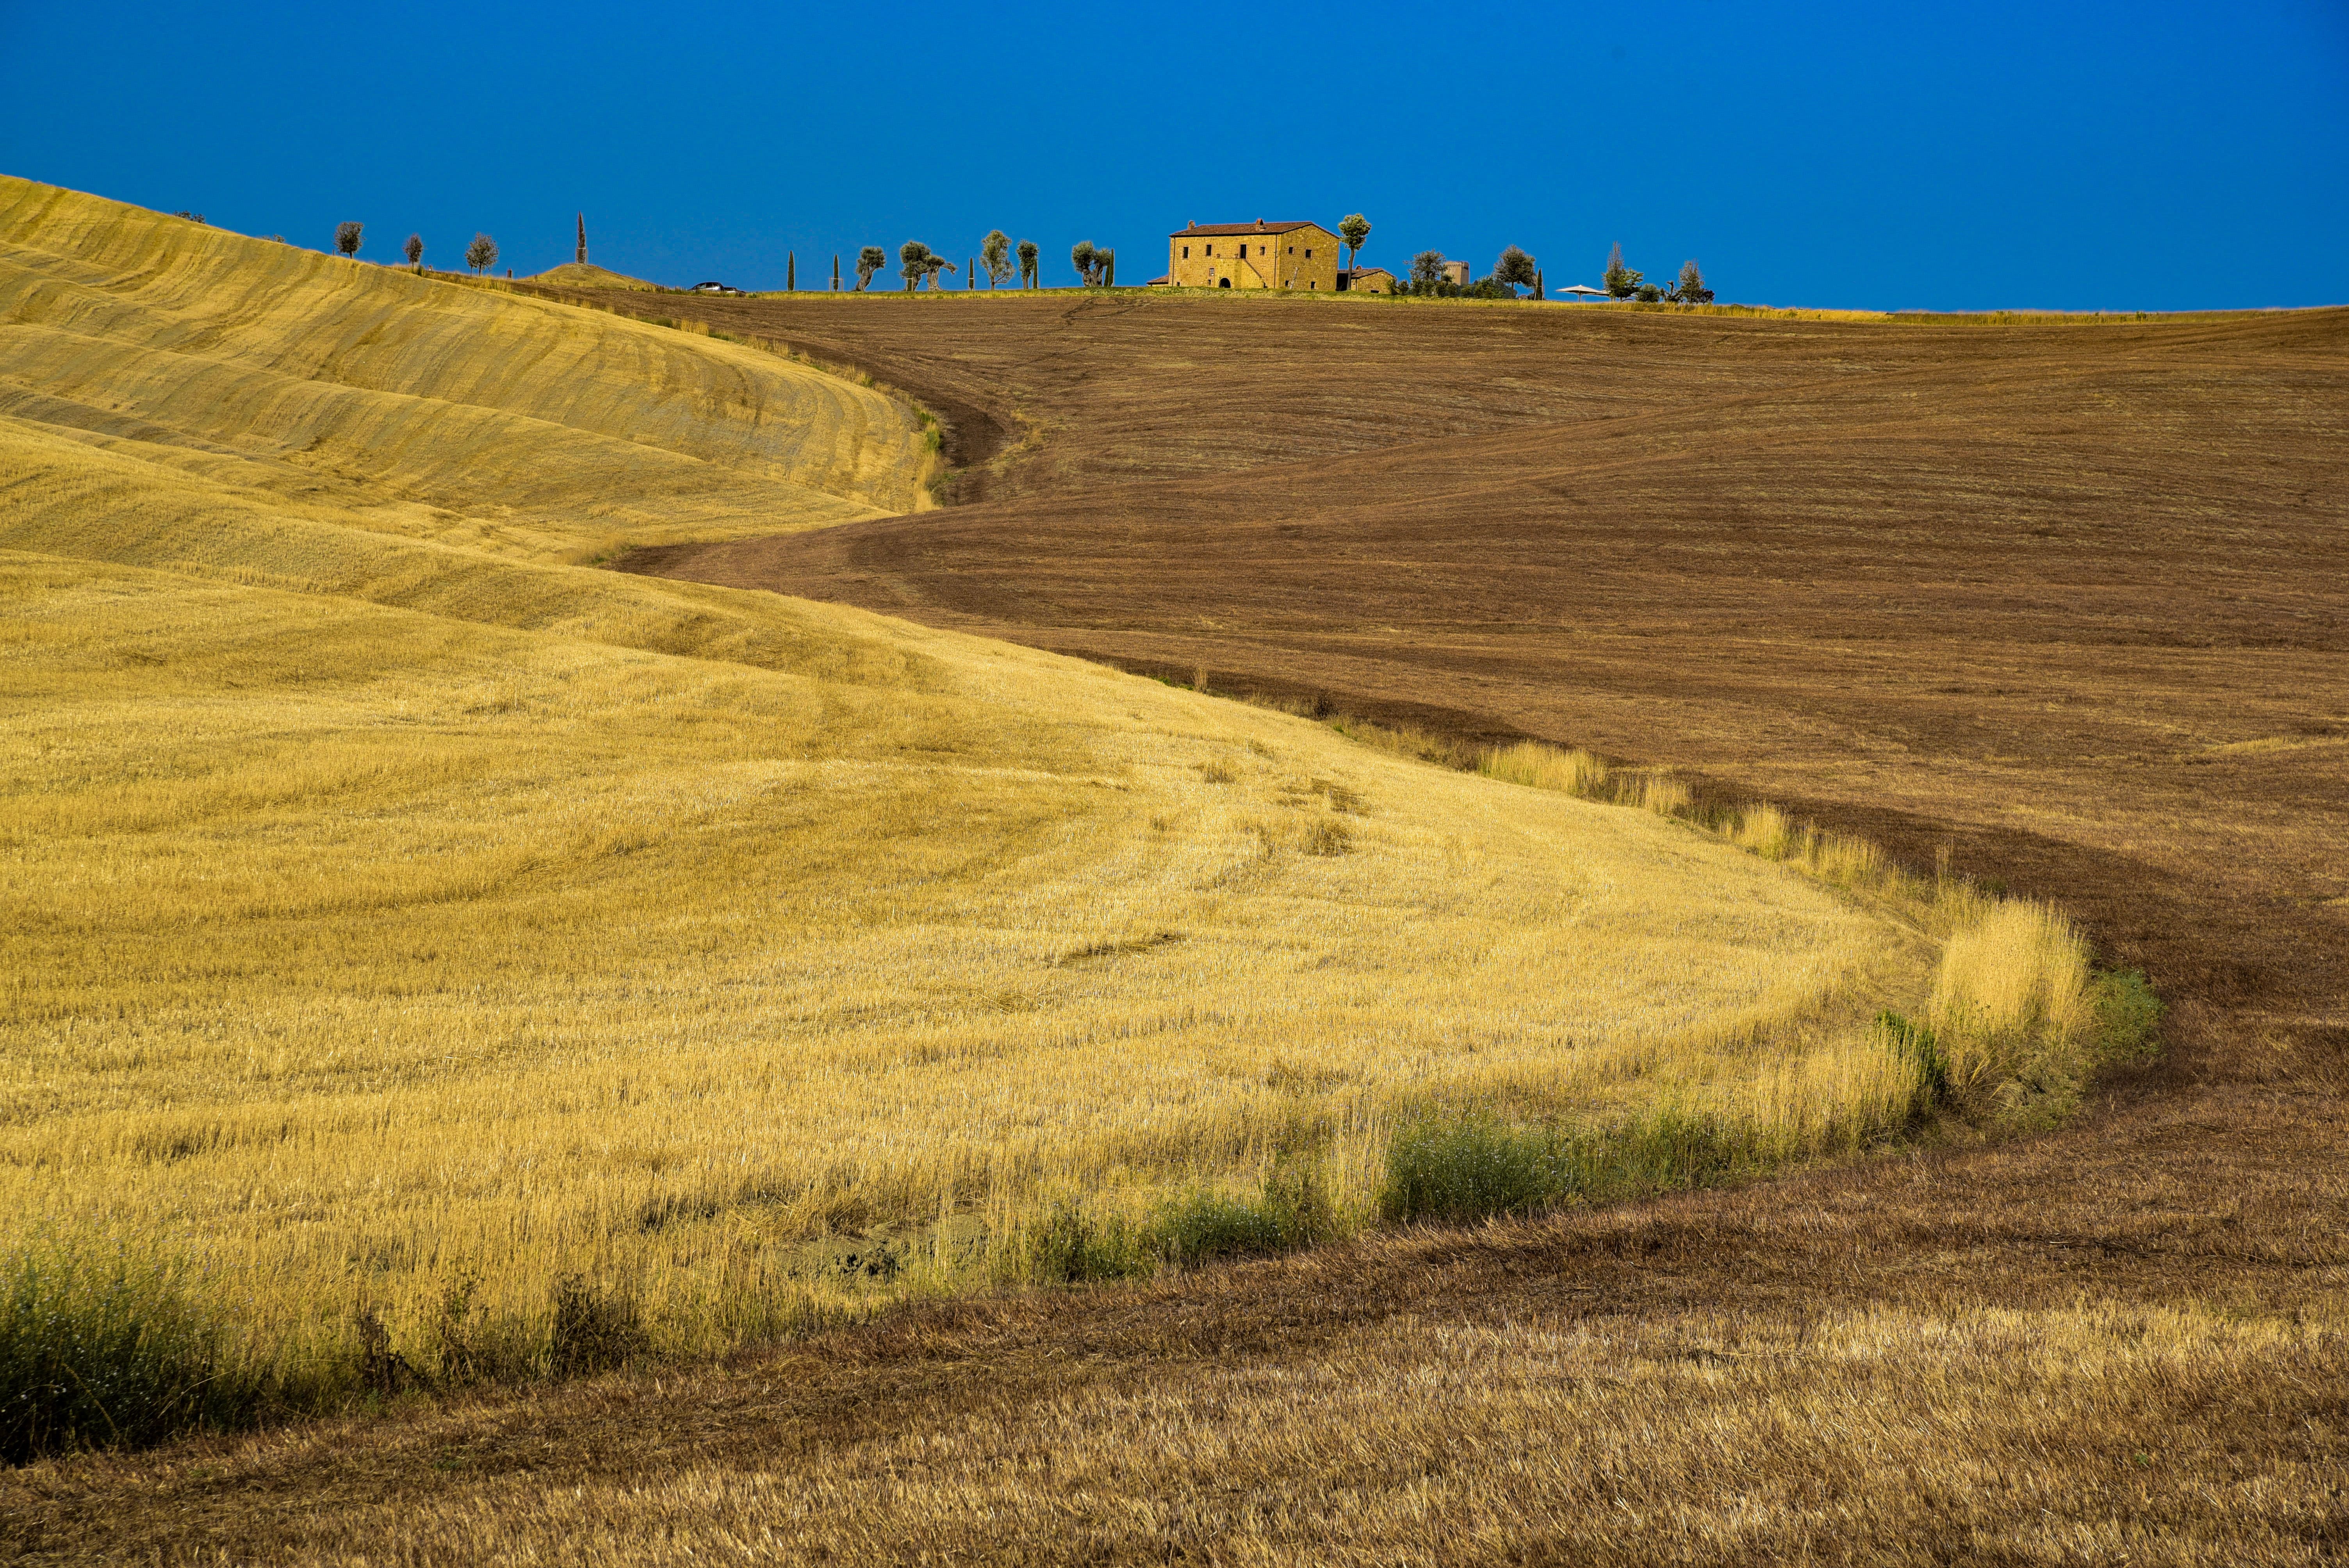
pixel 405 912
pixel 645 874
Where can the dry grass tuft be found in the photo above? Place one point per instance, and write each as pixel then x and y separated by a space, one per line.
pixel 1530 762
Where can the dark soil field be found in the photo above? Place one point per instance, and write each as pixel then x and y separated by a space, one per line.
pixel 2065 600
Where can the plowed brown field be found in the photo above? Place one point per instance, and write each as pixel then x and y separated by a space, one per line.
pixel 2069 598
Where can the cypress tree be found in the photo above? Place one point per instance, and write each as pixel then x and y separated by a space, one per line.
pixel 836 271
pixel 791 272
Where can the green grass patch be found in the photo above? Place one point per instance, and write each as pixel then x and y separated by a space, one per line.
pixel 102 1348
pixel 1460 1169
pixel 2129 1014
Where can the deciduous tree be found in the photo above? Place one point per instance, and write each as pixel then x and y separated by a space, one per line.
pixel 1515 268
pixel 913 264
pixel 1030 256
pixel 483 253
pixel 1081 256
pixel 869 261
pixel 1426 269
pixel 1353 229
pixel 346 238
pixel 994 255
pixel 414 252
pixel 1691 289
pixel 1619 280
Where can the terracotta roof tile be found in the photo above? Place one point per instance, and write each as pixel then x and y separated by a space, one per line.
pixel 1258 227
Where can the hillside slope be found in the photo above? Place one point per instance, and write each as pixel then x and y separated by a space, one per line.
pixel 395 904
pixel 425 408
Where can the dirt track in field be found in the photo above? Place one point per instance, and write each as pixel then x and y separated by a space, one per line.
pixel 2070 599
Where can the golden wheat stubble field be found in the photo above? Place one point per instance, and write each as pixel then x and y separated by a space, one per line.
pixel 408 924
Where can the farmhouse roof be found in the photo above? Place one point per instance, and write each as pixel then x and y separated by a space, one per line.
pixel 1258 227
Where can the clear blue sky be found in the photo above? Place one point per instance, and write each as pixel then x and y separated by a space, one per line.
pixel 2151 156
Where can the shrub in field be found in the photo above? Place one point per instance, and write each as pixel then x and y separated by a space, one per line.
pixel 107 1347
pixel 2128 1014
pixel 1070 1244
pixel 1207 1226
pixel 1460 1169
pixel 1916 1044
pixel 595 1330
pixel 1468 1169
pixel 1291 1211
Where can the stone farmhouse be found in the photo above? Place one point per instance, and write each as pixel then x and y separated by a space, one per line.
pixel 1259 255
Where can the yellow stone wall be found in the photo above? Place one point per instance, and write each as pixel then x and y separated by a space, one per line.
pixel 1272 261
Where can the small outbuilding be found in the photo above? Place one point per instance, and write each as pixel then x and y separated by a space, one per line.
pixel 1367 280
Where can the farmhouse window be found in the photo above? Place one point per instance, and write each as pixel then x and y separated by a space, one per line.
pixel 1211 250
pixel 1308 253
pixel 1187 253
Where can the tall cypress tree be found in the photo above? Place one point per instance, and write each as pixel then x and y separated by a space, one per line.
pixel 791 272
